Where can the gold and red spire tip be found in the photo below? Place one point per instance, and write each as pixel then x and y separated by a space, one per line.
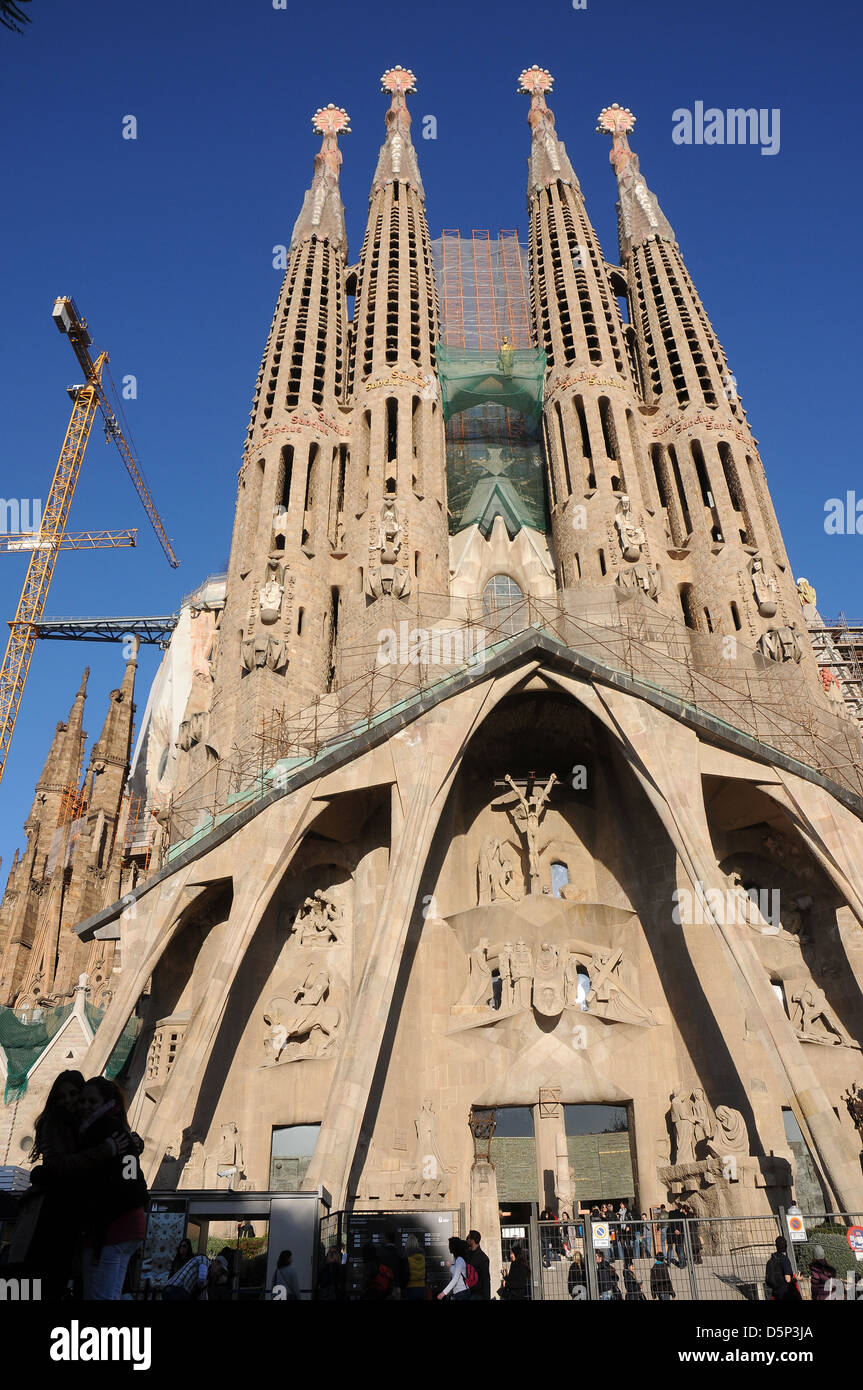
pixel 398 79
pixel 535 81
pixel 331 120
pixel 615 120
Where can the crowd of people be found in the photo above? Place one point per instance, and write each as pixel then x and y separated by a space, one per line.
pixel 85 1215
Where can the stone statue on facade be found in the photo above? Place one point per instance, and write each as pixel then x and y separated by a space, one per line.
pixel 683 1122
pixel 806 592
pixel 527 812
pixel 385 575
pixel 315 923
pixel 766 590
pixel 781 644
pixel 853 1098
pixel 270 600
pixel 521 969
pixel 263 651
pixel 478 990
pixel 814 1020
pixel 548 981
pixel 429 1175
pixel 305 1024
pixel 495 873
pixel 731 1136
pixel 630 535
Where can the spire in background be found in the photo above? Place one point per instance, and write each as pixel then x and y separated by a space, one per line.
pixel 641 217
pixel 548 158
pixel 397 161
pixel 323 214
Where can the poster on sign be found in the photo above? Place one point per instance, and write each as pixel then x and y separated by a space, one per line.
pixel 855 1240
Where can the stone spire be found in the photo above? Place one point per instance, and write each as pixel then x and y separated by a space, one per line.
pixel 596 461
pixel 548 162
pixel 640 218
pixel 397 161
pixel 323 214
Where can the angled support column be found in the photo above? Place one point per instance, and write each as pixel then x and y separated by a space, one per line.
pixel 149 936
pixel 671 778
pixel 251 899
pixel 422 782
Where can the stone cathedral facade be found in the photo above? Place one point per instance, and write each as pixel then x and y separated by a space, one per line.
pixel 527 801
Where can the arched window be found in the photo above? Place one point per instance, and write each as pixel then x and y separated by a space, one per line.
pixel 503 605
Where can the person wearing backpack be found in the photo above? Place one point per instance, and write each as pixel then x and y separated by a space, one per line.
pixel 821 1277
pixel 477 1261
pixel 779 1277
pixel 392 1259
pixel 415 1289
pixel 457 1288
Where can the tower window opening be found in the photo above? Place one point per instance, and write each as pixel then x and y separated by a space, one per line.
pixel 701 471
pixel 735 492
pixel 602 567
pixel 287 469
pixel 300 612
pixel 609 433
pixel 735 617
pixel 577 565
pixel 392 429
pixel 708 620
pixel 333 638
pixel 687 604
pixel 681 491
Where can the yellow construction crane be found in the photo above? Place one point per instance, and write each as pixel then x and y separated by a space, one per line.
pixel 51 536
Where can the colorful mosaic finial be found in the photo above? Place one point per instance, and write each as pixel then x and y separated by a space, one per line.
pixel 331 120
pixel 615 120
pixel 398 80
pixel 535 81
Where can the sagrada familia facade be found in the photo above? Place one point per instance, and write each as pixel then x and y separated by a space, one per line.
pixel 507 777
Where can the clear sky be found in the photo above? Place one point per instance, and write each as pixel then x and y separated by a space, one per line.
pixel 166 242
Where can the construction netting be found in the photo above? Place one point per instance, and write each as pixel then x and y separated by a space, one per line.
pixel 506 376
pixel 119 1057
pixel 24 1040
pixel 495 466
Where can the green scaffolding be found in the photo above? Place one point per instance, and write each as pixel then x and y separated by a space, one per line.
pixel 508 377
pixel 24 1041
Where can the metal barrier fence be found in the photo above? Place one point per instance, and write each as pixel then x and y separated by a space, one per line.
pixel 700 1259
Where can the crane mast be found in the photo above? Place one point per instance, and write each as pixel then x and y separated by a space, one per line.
pixel 87 400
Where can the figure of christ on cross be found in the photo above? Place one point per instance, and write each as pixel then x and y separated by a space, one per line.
pixel 527 814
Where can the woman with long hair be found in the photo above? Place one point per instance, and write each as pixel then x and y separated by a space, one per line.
pixel 115 1194
pixel 48 1236
pixel 457 1287
pixel 184 1253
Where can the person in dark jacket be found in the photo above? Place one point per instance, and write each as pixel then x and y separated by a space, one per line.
pixel 606 1279
pixel 331 1279
pixel 104 1185
pixel 633 1289
pixel 481 1292
pixel 576 1278
pixel 661 1287
pixel 779 1274
pixel 516 1284
pixel 53 1248
pixel 820 1275
pixel 676 1238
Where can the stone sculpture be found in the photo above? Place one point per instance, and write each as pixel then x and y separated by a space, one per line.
pixel 766 590
pixel 814 1020
pixel 385 575
pixel 306 1023
pixel 630 535
pixel 315 923
pixel 527 812
pixel 478 990
pixel 495 873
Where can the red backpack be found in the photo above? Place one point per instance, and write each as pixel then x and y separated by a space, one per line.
pixel 383 1280
pixel 471 1278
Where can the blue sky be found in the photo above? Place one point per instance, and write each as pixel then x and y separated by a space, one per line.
pixel 166 242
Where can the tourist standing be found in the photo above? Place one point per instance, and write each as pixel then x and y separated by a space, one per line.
pixel 481 1292
pixel 661 1287
pixel 415 1288
pixel 820 1275
pixel 457 1288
